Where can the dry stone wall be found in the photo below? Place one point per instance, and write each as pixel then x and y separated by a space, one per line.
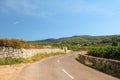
pixel 6 52
pixel 108 66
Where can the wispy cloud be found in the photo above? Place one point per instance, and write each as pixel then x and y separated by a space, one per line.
pixel 33 8
pixel 26 7
pixel 85 7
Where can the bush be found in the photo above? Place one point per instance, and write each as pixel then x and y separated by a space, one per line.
pixel 15 43
pixel 110 52
pixel 10 61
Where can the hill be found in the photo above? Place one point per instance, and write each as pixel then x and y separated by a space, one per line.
pixel 77 41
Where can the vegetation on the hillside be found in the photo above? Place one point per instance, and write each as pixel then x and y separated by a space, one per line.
pixel 81 42
pixel 15 43
pixel 110 52
pixel 73 43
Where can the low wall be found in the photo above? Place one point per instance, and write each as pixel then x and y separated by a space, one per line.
pixel 108 66
pixel 24 53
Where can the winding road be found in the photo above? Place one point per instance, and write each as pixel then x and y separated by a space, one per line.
pixel 61 68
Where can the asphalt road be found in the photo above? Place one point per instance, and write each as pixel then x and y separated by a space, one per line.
pixel 61 68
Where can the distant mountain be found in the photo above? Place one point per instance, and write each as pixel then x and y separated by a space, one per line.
pixel 47 40
pixel 82 39
pixel 80 35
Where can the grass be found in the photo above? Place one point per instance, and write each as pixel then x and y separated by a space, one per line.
pixel 37 57
pixel 9 61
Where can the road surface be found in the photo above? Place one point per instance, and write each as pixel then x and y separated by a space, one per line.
pixel 61 68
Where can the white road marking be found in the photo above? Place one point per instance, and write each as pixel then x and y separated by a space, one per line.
pixel 58 60
pixel 67 73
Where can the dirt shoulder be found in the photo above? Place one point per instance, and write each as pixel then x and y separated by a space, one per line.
pixel 8 72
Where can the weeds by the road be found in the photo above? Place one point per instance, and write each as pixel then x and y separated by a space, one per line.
pixel 9 61
pixel 37 57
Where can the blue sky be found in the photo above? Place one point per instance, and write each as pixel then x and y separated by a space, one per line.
pixel 42 19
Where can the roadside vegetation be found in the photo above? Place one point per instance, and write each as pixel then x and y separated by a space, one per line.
pixel 37 57
pixel 103 57
pixel 16 43
pixel 109 52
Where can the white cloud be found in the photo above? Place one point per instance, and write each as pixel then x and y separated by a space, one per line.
pixel 26 7
pixel 33 8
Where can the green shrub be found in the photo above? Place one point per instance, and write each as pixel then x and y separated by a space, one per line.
pixel 9 61
pixel 16 43
pixel 110 52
